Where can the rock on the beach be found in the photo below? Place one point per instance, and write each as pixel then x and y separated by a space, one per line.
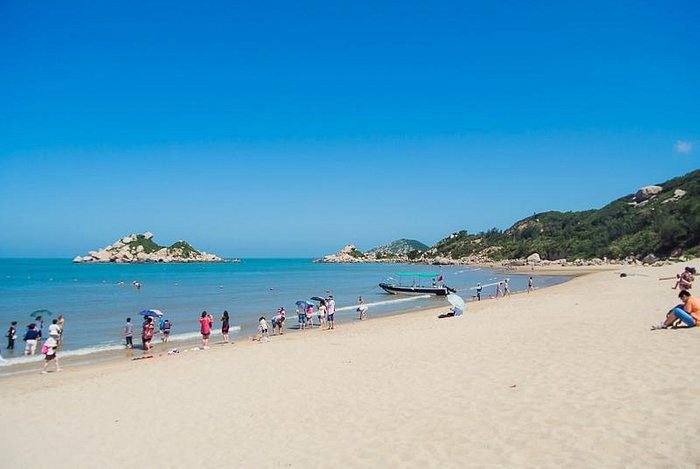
pixel 77 259
pixel 646 193
pixel 534 258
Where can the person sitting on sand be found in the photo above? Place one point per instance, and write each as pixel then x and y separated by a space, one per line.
pixel 688 312
pixel 454 311
pixel 685 279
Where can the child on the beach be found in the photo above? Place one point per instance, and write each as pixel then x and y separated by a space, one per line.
pixel 310 315
pixel 167 325
pixel 49 351
pixel 263 331
pixel 322 314
pixel 128 333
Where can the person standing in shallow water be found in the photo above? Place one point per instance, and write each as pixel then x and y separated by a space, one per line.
pixel 506 287
pixel 11 335
pixel 225 326
pixel 530 285
pixel 478 292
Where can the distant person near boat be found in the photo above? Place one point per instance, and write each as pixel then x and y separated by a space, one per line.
pixel 362 308
pixel 688 312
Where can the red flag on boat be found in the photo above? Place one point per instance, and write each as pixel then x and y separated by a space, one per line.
pixel 440 278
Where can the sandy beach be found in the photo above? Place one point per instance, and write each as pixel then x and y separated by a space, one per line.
pixel 565 376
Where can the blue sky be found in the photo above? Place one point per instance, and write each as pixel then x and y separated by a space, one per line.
pixel 290 129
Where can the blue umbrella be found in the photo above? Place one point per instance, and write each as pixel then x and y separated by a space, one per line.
pixel 151 312
pixel 304 304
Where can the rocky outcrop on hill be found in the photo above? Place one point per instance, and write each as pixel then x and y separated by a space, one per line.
pixel 349 254
pixel 137 248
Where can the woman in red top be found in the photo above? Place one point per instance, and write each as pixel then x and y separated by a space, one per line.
pixel 205 323
pixel 147 334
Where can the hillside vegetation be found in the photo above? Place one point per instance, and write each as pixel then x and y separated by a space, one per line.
pixel 664 224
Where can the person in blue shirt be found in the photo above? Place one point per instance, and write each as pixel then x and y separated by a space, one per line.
pixel 31 337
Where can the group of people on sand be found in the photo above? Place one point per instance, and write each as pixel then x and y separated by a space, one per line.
pixel 502 288
pixel 324 314
pixel 687 313
pixel 33 337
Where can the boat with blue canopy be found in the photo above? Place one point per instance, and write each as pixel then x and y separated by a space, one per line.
pixel 411 283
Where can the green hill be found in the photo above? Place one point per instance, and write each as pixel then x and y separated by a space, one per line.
pixel 400 247
pixel 666 224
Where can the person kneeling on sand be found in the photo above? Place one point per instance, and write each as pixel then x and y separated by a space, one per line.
pixel 687 312
pixel 454 311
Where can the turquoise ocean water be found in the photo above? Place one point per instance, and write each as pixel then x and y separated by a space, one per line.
pixel 96 298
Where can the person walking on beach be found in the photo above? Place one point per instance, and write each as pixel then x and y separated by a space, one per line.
pixel 49 350
pixel 331 312
pixel 687 312
pixel 30 338
pixel 147 335
pixel 11 335
pixel 225 326
pixel 478 292
pixel 128 332
pixel 499 292
pixel 506 287
pixel 322 311
pixel 205 323
pixel 530 285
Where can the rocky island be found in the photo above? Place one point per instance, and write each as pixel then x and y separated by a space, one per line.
pixel 137 248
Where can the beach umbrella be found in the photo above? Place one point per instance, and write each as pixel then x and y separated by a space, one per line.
pixel 318 298
pixel 41 312
pixel 303 304
pixel 456 301
pixel 151 312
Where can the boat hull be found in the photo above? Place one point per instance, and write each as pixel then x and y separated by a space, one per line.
pixel 403 290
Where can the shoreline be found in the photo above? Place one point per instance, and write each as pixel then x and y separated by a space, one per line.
pixel 118 352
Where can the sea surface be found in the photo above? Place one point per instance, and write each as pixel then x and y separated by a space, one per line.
pixel 96 299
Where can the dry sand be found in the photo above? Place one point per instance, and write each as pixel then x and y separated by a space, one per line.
pixel 566 376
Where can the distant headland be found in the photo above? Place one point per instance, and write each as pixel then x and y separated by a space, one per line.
pixel 655 224
pixel 139 248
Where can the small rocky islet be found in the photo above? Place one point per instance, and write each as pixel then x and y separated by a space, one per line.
pixel 141 248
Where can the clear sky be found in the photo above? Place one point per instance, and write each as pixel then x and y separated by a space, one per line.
pixel 293 128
